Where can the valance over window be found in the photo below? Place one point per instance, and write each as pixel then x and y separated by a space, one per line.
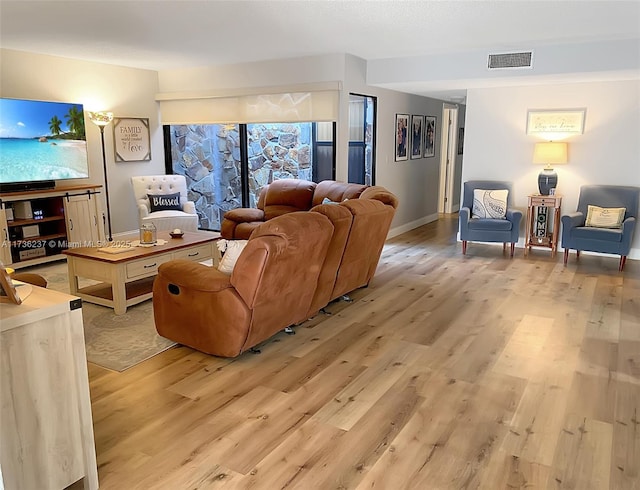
pixel 319 103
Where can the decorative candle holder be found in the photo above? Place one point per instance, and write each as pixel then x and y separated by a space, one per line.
pixel 148 234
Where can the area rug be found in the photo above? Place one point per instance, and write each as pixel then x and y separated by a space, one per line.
pixel 115 342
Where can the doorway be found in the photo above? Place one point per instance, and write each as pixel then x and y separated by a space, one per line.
pixel 362 131
pixel 448 159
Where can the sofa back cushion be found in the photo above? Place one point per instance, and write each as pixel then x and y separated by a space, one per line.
pixel 369 228
pixel 287 196
pixel 336 191
pixel 341 218
pixel 277 273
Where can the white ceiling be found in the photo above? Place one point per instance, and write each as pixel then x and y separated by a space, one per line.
pixel 159 35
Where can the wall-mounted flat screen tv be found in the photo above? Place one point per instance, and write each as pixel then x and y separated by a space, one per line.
pixel 41 143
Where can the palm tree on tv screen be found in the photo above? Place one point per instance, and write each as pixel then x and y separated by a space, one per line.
pixel 75 121
pixel 54 126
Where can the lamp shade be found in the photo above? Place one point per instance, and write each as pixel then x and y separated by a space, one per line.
pixel 100 118
pixel 549 153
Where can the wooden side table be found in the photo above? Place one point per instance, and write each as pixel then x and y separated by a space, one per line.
pixel 542 227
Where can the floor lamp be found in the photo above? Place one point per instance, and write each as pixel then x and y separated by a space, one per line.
pixel 102 119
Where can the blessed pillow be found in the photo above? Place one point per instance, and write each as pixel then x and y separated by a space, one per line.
pixel 164 202
pixel 231 250
pixel 490 203
pixel 598 217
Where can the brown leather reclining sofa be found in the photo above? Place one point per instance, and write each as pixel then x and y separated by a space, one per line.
pixel 281 197
pixel 200 307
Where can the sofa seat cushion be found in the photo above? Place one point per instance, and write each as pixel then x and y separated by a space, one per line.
pixel 489 224
pixel 170 220
pixel 168 214
pixel 592 233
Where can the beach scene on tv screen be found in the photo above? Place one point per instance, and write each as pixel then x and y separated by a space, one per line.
pixel 42 141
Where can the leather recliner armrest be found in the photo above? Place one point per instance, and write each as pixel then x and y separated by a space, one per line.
pixel 194 276
pixel 244 215
pixel 234 219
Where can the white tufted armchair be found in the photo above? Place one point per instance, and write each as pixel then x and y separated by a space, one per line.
pixel 186 219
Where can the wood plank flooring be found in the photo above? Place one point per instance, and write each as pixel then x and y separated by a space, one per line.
pixel 447 372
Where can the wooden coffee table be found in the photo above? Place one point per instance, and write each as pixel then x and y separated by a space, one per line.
pixel 126 278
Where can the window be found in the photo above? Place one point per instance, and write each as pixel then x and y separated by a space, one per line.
pixel 227 165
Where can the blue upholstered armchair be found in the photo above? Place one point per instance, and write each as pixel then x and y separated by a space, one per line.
pixel 505 230
pixel 577 236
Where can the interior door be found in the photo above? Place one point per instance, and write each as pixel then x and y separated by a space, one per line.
pixel 448 158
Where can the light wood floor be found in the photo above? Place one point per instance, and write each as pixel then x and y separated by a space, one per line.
pixel 447 372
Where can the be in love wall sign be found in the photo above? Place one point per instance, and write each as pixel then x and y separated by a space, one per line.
pixel 131 139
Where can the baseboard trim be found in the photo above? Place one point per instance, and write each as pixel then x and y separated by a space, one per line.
pixel 634 253
pixel 399 230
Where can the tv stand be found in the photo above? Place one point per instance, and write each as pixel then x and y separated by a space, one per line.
pixel 36 226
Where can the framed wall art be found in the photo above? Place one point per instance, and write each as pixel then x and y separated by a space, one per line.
pixel 131 139
pixel 417 141
pixel 460 140
pixel 556 121
pixel 429 136
pixel 402 135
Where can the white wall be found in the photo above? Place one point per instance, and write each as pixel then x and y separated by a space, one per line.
pixel 127 92
pixel 443 72
pixel 325 68
pixel 415 182
pixel 131 92
pixel 497 147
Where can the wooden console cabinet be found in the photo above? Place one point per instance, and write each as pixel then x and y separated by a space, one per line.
pixel 46 429
pixel 37 226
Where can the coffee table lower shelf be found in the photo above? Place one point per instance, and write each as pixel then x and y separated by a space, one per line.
pixel 102 293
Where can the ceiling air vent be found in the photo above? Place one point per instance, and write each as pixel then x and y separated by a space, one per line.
pixel 510 60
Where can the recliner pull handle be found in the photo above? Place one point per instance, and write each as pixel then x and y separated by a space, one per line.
pixel 173 289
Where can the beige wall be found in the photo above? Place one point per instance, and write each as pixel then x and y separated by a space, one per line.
pixel 127 92
pixel 497 147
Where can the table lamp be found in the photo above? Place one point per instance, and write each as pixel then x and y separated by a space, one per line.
pixel 549 153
